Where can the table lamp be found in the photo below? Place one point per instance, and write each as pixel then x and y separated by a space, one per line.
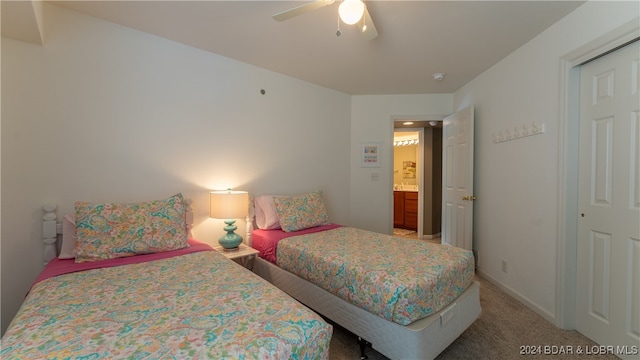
pixel 229 205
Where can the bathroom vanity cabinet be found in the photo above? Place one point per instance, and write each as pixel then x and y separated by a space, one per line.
pixel 405 209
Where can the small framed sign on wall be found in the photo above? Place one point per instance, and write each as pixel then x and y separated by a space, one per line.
pixel 370 154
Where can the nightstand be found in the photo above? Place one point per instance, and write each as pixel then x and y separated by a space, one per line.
pixel 243 256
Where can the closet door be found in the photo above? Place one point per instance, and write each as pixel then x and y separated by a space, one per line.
pixel 608 249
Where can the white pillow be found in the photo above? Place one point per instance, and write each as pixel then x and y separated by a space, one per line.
pixel 68 248
pixel 266 215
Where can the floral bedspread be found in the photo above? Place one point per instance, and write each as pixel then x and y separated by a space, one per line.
pixel 197 306
pixel 398 279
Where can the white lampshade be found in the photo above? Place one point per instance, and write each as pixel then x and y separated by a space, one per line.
pixel 351 11
pixel 227 204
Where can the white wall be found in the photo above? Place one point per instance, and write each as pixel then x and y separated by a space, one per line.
pixel 372 120
pixel 106 113
pixel 516 182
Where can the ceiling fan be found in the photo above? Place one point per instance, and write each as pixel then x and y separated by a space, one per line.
pixel 350 11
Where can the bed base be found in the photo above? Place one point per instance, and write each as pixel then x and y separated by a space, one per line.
pixel 363 347
pixel 422 339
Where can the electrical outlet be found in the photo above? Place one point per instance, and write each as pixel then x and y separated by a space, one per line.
pixel 504 266
pixel 375 176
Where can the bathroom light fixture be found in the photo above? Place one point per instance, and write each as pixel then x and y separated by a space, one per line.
pixel 406 142
pixel 351 11
pixel 407 123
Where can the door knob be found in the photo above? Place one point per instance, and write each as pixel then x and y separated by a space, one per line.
pixel 468 198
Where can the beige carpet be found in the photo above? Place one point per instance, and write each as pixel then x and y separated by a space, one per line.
pixel 503 328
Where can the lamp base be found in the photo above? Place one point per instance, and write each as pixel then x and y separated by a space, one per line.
pixel 230 241
pixel 231 249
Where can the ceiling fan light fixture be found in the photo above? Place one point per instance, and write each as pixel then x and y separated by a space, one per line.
pixel 351 11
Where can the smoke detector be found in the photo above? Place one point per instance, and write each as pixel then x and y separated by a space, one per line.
pixel 438 76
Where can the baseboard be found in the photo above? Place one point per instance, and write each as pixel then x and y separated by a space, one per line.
pixel 429 237
pixel 516 295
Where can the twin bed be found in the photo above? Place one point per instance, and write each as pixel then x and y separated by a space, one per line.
pixel 169 298
pixel 179 298
pixel 409 299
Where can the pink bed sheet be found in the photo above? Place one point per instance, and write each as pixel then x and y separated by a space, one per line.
pixel 64 266
pixel 266 241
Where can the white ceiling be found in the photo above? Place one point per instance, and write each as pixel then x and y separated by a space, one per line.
pixel 417 38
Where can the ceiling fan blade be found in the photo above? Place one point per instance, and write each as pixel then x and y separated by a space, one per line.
pixel 299 10
pixel 369 32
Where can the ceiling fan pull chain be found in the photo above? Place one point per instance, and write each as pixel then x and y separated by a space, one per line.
pixel 364 19
pixel 338 33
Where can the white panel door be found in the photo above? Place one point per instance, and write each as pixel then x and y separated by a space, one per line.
pixel 608 288
pixel 457 179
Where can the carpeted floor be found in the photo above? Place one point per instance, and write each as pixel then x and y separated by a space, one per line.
pixel 503 328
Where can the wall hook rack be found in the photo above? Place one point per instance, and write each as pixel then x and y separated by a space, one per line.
pixel 517 132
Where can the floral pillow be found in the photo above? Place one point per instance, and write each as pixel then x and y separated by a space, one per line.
pixel 108 231
pixel 301 211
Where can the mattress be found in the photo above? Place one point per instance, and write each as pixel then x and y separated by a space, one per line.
pixel 397 279
pixel 196 305
pixel 422 339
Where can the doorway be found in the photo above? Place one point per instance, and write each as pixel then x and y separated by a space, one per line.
pixel 417 179
pixel 408 162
